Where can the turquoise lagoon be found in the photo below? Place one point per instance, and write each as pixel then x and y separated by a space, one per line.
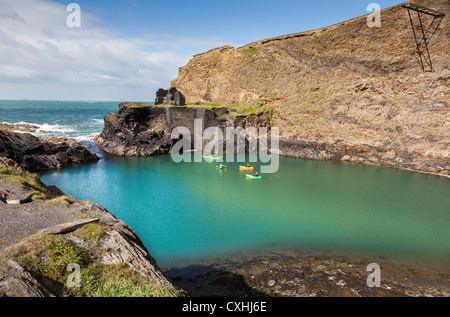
pixel 190 211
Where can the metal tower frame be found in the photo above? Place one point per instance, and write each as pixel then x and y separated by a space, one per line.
pixel 422 43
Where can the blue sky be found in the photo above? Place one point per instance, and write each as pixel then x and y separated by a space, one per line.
pixel 127 49
pixel 234 21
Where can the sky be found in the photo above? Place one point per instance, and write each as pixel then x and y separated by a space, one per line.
pixel 125 50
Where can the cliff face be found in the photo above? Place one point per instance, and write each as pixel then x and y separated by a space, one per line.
pixel 346 92
pixel 144 130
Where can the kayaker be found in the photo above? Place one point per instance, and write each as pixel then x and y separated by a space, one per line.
pixel 248 165
pixel 220 166
pixel 256 175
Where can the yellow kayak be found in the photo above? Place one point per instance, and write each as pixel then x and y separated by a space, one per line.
pixel 245 168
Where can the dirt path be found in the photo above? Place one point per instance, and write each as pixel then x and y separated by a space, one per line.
pixel 20 221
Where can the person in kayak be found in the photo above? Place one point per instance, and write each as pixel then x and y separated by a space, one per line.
pixel 256 175
pixel 221 165
pixel 248 165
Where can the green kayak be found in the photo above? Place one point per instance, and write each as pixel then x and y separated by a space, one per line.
pixel 212 158
pixel 253 177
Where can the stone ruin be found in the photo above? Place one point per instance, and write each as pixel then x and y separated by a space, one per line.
pixel 170 97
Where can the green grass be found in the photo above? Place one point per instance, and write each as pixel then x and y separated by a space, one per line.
pixel 50 255
pixel 118 280
pixel 136 105
pixel 26 180
pixel 204 105
pixel 61 201
pixel 250 50
pixel 312 109
pixel 92 233
pixel 256 108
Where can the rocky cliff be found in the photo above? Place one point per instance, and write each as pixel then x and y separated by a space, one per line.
pixel 37 154
pixel 143 130
pixel 345 92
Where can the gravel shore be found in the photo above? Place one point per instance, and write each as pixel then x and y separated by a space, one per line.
pixel 300 274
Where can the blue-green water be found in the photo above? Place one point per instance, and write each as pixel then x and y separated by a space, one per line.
pixel 192 210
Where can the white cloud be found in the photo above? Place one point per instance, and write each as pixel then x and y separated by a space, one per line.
pixel 40 54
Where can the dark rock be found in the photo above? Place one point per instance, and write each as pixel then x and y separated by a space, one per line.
pixel 207 98
pixel 16 281
pixel 144 130
pixel 55 191
pixel 37 154
pixel 3 195
pixel 387 155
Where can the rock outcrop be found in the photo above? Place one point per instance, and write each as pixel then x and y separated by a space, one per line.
pixel 37 154
pixel 144 130
pixel 119 245
pixel 16 281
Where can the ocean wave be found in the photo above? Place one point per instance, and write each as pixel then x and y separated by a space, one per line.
pixel 46 129
pixel 81 133
pixel 55 128
pixel 83 138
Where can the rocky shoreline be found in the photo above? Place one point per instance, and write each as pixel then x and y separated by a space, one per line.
pixel 40 153
pixel 296 273
pixel 388 156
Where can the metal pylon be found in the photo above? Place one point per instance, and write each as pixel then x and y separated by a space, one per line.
pixel 423 41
